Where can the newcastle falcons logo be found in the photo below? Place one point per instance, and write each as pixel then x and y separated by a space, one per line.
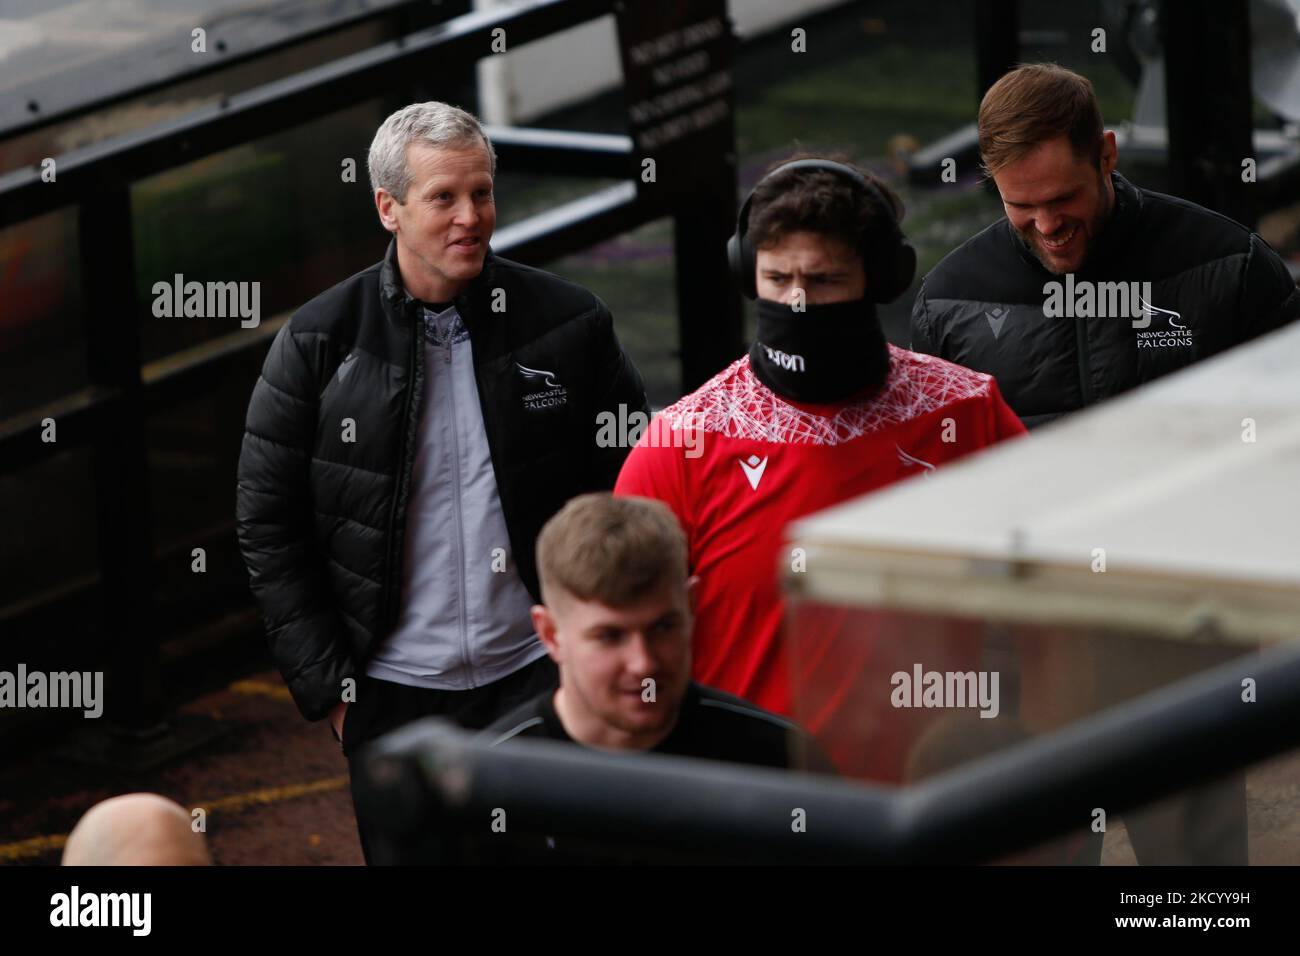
pixel 1151 311
pixel 541 390
pixel 538 378
pixel 1176 336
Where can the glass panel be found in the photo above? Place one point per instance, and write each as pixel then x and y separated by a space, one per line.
pixel 193 456
pixel 899 697
pixel 277 212
pixel 42 344
pixel 47 512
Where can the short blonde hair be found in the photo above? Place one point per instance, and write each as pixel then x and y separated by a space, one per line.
pixel 612 550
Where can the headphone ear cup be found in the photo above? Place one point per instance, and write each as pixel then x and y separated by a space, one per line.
pixel 740 258
pixel 734 260
pixel 898 268
pixel 906 268
pixel 749 258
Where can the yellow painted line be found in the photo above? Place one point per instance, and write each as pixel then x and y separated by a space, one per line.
pixel 275 794
pixel 257 687
pixel 36 846
pixel 33 847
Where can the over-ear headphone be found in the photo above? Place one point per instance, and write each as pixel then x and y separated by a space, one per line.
pixel 886 253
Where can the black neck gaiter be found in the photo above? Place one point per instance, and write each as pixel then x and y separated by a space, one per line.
pixel 827 353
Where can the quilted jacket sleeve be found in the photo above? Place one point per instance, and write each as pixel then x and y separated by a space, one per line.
pixel 1269 295
pixel 922 327
pixel 274 526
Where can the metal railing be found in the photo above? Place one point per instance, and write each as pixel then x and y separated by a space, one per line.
pixel 244 34
pixel 437 784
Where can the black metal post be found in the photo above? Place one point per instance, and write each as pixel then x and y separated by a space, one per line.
pixel 1208 103
pixel 120 463
pixel 997 41
pixel 458 84
pixel 709 318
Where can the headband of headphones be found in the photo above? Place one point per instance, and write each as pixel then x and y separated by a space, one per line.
pixel 892 264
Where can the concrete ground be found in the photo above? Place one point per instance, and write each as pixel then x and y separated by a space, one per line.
pixel 275 791
pixel 274 787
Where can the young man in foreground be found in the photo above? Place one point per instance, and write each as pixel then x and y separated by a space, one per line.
pixel 617 621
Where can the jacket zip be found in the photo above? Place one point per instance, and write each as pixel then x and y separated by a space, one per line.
pixel 504 491
pixel 406 465
pixel 1085 361
pixel 460 524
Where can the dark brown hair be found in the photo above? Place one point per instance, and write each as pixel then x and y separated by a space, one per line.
pixel 820 201
pixel 1033 104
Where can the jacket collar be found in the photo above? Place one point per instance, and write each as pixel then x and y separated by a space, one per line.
pixel 401 302
pixel 1117 235
pixel 390 279
pixel 1112 245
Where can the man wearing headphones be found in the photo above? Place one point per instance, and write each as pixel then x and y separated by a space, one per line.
pixel 821 410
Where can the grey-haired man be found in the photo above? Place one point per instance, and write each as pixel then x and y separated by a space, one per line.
pixel 412 430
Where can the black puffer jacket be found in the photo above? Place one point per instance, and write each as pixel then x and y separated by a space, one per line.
pixel 1213 284
pixel 321 520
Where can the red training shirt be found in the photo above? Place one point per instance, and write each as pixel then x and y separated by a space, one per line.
pixel 737 463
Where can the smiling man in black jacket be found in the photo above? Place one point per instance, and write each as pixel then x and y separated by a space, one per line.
pixel 412 430
pixel 1090 286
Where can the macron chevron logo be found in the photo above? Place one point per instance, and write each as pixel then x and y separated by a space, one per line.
pixel 753 469
pixel 996 318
